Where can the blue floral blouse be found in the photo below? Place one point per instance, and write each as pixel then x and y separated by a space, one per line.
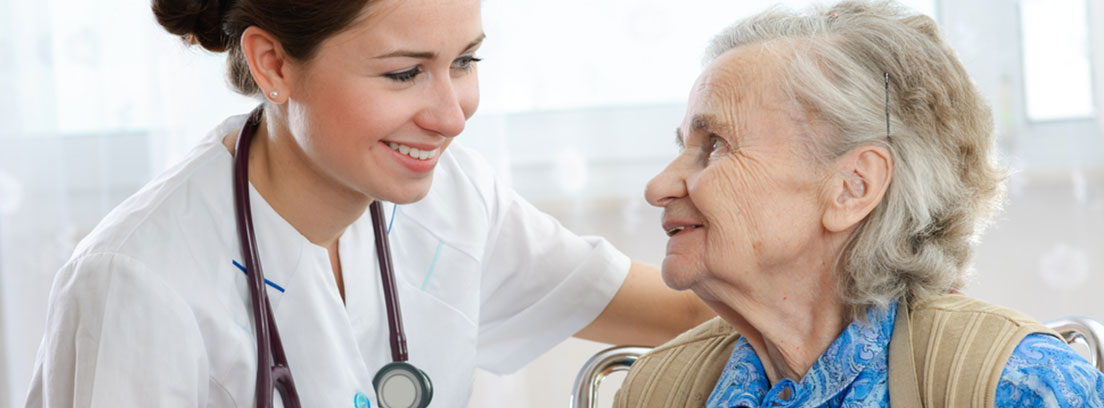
pixel 854 372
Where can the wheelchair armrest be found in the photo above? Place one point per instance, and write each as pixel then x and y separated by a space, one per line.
pixel 605 362
pixel 1082 327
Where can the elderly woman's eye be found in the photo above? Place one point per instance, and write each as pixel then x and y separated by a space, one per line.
pixel 717 145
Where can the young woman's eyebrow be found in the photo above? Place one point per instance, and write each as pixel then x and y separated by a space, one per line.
pixel 428 54
pixel 409 54
pixel 476 42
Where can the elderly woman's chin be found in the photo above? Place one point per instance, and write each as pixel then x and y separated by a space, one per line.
pixel 684 263
pixel 682 272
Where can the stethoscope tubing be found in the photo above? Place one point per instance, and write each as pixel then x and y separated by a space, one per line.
pixel 394 312
pixel 271 360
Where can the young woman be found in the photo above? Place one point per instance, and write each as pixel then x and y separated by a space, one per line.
pixel 361 102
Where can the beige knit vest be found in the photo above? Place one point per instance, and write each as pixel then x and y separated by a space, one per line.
pixel 945 352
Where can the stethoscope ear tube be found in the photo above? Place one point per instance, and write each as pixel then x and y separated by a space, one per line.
pixel 271 360
pixel 387 276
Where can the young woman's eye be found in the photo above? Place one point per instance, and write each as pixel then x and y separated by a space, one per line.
pixel 465 63
pixel 404 75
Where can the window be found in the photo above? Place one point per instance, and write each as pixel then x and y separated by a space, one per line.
pixel 1057 79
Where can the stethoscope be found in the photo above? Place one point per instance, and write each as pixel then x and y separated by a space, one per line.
pixel 398 384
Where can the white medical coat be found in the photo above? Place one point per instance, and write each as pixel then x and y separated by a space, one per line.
pixel 152 312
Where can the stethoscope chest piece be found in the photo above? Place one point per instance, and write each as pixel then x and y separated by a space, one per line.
pixel 401 385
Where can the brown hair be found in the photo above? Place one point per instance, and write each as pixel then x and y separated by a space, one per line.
pixel 217 25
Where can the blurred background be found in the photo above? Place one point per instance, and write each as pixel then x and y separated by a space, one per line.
pixel 579 102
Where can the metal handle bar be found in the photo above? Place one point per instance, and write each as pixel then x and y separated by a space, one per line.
pixel 1082 327
pixel 606 362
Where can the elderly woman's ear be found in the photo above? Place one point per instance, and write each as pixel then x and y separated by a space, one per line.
pixel 861 178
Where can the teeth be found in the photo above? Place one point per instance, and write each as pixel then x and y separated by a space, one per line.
pixel 413 151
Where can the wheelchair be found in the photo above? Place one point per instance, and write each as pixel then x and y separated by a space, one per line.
pixel 620 358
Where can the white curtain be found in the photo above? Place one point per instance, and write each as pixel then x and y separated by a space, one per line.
pixel 96 100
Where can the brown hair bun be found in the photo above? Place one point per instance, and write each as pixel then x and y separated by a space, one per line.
pixel 197 21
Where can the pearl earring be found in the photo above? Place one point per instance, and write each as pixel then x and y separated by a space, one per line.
pixel 273 94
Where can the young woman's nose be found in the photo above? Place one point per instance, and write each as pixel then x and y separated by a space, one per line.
pixel 668 185
pixel 443 113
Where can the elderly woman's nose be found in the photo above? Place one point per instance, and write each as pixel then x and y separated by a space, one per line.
pixel 666 186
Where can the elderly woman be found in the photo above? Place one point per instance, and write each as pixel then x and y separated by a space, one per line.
pixel 834 169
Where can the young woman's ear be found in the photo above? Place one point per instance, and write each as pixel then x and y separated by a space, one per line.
pixel 860 182
pixel 268 63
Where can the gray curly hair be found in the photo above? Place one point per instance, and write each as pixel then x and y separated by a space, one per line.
pixel 946 185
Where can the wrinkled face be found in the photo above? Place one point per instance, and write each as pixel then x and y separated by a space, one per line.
pixel 377 105
pixel 741 199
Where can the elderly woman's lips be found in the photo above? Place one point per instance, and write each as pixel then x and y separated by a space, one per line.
pixel 675 230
